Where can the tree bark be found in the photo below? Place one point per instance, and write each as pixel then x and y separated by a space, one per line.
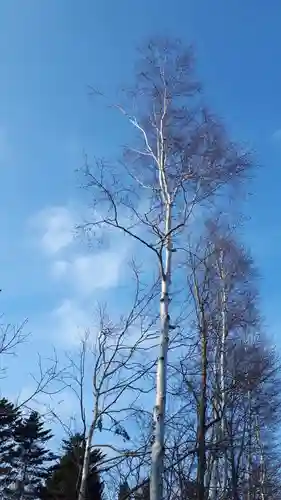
pixel 224 471
pixel 201 469
pixel 86 459
pixel 157 459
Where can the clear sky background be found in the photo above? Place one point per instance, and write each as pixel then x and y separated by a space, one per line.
pixel 50 51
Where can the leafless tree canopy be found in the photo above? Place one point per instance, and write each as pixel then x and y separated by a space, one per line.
pixel 169 193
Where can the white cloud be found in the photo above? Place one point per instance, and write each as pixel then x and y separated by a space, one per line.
pixel 102 270
pixel 276 136
pixel 79 274
pixel 55 228
pixel 84 272
pixel 70 321
pixel 60 268
pixel 87 273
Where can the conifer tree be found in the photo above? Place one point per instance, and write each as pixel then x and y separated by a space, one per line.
pixel 124 491
pixel 9 419
pixel 64 479
pixel 30 458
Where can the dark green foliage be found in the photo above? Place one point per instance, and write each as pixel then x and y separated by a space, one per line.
pixel 143 492
pixel 30 458
pixel 64 480
pixel 26 469
pixel 124 491
pixel 9 419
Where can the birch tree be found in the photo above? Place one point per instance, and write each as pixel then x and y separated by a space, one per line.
pixel 116 356
pixel 241 348
pixel 115 373
pixel 220 280
pixel 179 159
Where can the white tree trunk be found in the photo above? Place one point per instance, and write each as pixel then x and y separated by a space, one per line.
pixel 213 493
pixel 262 461
pixel 214 482
pixel 220 469
pixel 224 472
pixel 86 459
pixel 157 459
pixel 249 450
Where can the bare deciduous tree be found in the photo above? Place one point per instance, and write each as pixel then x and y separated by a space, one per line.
pixel 11 336
pixel 117 356
pixel 181 159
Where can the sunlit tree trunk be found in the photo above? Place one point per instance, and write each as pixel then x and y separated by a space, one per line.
pixel 249 454
pixel 156 480
pixel 261 460
pixel 87 455
pixel 224 469
pixel 201 469
pixel 214 465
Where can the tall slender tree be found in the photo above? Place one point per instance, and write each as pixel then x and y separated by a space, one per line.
pixel 181 158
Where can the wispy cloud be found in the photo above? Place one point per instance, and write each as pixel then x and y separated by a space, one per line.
pixel 276 136
pixel 70 321
pixel 87 273
pixel 54 228
pixel 73 264
pixel 79 273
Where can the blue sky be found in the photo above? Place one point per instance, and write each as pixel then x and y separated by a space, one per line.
pixel 50 51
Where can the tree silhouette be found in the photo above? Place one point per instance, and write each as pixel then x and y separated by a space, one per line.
pixel 65 477
pixel 9 419
pixel 30 458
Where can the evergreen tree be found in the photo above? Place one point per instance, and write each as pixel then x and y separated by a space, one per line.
pixel 30 458
pixel 143 492
pixel 124 491
pixel 64 479
pixel 9 419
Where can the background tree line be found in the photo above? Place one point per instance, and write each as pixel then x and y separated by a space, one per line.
pixel 29 467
